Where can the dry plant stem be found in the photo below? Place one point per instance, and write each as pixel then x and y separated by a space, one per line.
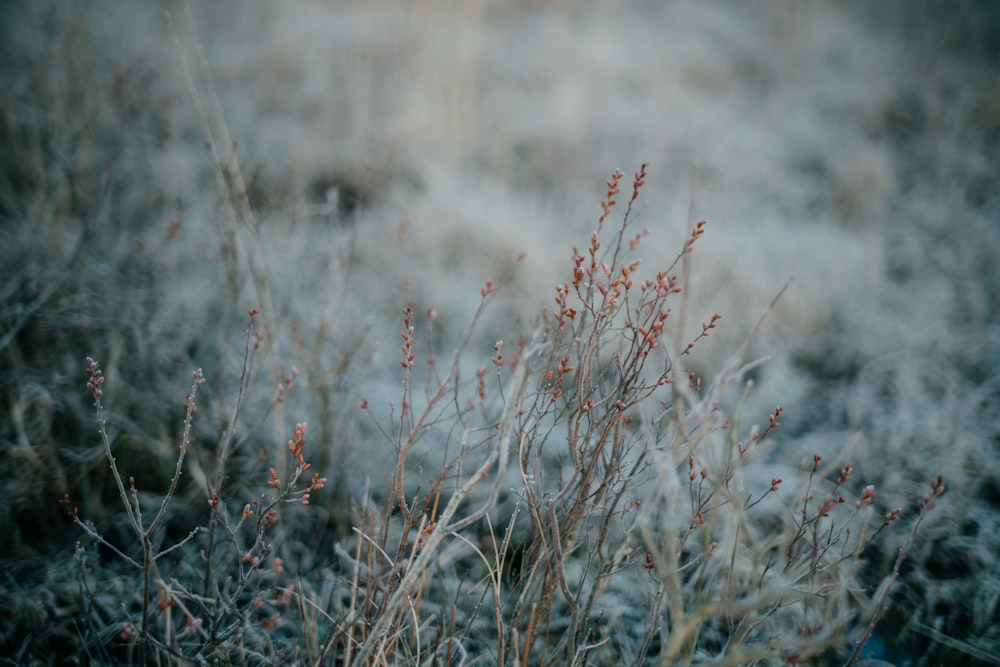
pixel 92 532
pixel 412 435
pixel 222 457
pixel 937 488
pixel 255 275
pixel 131 504
pixel 493 571
pixel 130 511
pixel 686 273
pixel 613 189
pixel 226 446
pixel 689 406
pixel 447 523
pixel 185 444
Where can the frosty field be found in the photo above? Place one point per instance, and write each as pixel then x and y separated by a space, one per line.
pixel 576 488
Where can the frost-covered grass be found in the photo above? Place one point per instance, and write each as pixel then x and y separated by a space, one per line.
pixel 363 159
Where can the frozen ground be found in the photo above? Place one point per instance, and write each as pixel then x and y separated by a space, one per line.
pixel 408 152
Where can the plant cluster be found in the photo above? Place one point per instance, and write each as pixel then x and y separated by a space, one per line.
pixel 200 612
pixel 587 497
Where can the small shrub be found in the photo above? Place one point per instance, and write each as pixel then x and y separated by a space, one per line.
pixel 217 602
